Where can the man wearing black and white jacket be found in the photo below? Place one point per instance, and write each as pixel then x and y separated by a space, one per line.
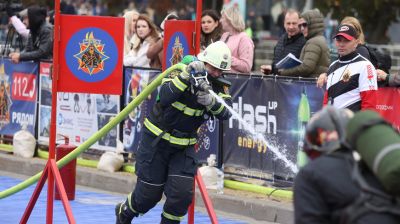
pixel 352 79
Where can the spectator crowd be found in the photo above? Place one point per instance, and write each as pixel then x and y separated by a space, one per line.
pixel 350 81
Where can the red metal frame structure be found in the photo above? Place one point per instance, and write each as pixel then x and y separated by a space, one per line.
pixel 51 172
pixel 198 179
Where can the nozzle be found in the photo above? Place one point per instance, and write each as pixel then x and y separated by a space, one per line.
pixel 204 85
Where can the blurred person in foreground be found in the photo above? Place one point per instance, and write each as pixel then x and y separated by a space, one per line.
pixel 40 40
pixel 292 41
pixel 315 53
pixel 166 158
pixel 352 79
pixel 336 186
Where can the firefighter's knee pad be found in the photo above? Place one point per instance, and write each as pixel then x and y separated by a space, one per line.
pixel 146 196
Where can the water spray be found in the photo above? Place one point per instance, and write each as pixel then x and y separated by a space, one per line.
pixel 258 136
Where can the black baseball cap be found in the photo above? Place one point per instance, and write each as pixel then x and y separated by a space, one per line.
pixel 347 32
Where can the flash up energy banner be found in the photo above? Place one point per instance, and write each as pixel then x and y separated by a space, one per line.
pixel 18 93
pixel 278 110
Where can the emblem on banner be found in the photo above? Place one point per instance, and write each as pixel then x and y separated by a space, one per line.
pixel 91 56
pixel 177 52
pixel 5 99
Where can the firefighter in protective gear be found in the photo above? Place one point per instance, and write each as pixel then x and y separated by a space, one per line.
pixel 325 132
pixel 336 186
pixel 166 159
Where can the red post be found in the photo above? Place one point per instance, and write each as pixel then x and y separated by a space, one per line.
pixel 206 198
pixel 51 169
pixel 199 10
pixel 199 6
pixel 191 207
pixel 198 179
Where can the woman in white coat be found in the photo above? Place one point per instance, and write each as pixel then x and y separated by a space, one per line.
pixel 147 33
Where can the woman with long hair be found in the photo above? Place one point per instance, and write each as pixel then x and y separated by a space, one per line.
pixel 147 33
pixel 211 29
pixel 130 30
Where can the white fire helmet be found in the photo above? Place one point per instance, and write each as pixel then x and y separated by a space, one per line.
pixel 218 55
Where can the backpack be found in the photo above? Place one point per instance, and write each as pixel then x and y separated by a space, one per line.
pixel 371 200
pixel 379 59
pixel 378 144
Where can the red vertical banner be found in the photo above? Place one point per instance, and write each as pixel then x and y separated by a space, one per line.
pixel 91 54
pixel 178 41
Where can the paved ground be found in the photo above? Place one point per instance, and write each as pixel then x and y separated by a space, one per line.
pixel 232 206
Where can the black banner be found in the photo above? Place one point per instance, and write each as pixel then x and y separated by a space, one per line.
pixel 277 110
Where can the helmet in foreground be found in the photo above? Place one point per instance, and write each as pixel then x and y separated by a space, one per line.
pixel 218 55
pixel 325 132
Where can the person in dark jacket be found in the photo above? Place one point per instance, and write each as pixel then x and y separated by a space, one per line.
pixel 40 40
pixel 315 53
pixel 292 41
pixel 326 190
pixel 166 159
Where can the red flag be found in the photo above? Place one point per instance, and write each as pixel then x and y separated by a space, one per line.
pixel 91 54
pixel 178 41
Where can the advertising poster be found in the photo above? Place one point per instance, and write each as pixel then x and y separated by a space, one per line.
pixel 79 115
pixel 135 81
pixel 208 140
pixel 275 110
pixel 18 94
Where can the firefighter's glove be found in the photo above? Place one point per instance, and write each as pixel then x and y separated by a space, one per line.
pixel 203 85
pixel 191 67
pixel 205 99
pixel 195 67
